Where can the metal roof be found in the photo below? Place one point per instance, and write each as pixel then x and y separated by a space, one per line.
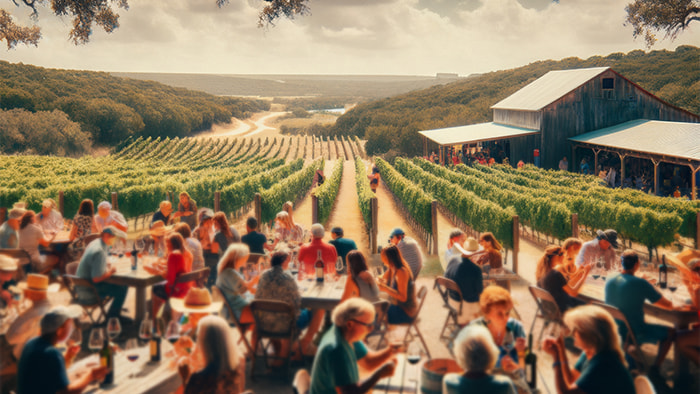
pixel 674 139
pixel 548 89
pixel 474 133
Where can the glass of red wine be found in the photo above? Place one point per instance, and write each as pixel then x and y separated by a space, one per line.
pixel 172 334
pixel 413 356
pixel 132 352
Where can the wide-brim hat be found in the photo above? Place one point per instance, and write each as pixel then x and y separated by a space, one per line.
pixel 608 235
pixel 471 247
pixel 8 264
pixel 16 213
pixel 38 283
pixel 196 301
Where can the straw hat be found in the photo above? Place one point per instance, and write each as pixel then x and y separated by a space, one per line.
pixel 471 247
pixel 196 301
pixel 8 264
pixel 38 283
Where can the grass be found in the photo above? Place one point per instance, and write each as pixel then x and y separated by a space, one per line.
pixel 431 267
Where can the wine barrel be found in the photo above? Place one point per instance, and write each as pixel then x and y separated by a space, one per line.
pixel 433 372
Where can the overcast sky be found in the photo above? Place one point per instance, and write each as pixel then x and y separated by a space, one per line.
pixel 409 37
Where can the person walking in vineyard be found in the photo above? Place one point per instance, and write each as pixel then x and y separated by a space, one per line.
pixel 563 164
pixel 601 248
pixel 374 179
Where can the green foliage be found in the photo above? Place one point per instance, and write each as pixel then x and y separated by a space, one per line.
pixel 393 123
pixel 289 188
pixel 364 192
pixel 327 192
pixel 43 132
pixel 413 197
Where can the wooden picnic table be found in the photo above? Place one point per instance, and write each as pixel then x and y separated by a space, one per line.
pixel 140 279
pixel 148 377
pixel 502 277
pixel 406 378
pixel 62 237
pixel 324 295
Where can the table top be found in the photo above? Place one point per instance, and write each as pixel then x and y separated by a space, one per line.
pixel 126 277
pixel 161 377
pixel 502 274
pixel 406 378
pixel 324 295
pixel 62 237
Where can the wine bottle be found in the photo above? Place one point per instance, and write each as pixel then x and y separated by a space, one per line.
pixel 319 267
pixel 107 360
pixel 135 256
pixel 531 364
pixel 155 343
pixel 663 273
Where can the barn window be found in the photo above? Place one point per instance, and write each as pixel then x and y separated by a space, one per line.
pixel 608 83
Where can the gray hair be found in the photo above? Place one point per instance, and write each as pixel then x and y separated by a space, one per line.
pixel 475 350
pixel 217 345
pixel 317 230
pixel 351 309
pixel 233 253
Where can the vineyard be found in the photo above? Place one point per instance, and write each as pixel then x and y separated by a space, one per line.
pixel 146 171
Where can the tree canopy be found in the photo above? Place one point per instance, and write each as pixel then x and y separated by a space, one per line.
pixel 670 17
pixel 103 14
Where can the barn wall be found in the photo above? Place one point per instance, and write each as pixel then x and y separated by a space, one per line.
pixel 526 119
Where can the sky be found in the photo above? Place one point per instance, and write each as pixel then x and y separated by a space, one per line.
pixel 379 37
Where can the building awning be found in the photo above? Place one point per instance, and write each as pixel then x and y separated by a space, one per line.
pixel 671 139
pixel 475 133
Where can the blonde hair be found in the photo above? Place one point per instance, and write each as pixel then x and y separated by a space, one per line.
pixel 289 208
pixel 164 204
pixel 475 350
pixel 544 265
pixel 494 295
pixel 286 219
pixel 216 343
pixel 232 255
pixel 596 328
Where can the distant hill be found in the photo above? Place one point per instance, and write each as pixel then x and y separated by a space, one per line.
pixel 109 108
pixel 352 87
pixel 392 123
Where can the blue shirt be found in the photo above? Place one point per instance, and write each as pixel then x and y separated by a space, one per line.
pixel 8 237
pixel 628 294
pixel 603 373
pixel 41 368
pixel 336 363
pixel 93 264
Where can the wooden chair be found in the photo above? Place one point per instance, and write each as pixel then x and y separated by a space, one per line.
pixel 199 276
pixel 242 328
pixel 381 325
pixel 547 309
pixel 91 304
pixel 444 286
pixel 19 254
pixel 412 330
pixel 629 340
pixel 287 315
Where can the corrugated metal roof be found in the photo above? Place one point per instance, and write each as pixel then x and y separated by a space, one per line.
pixel 548 89
pixel 474 133
pixel 675 139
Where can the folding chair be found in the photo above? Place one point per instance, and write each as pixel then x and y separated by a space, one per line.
pixel 19 254
pixel 242 328
pixel 625 331
pixel 412 331
pixel 90 304
pixel 547 309
pixel 199 276
pixel 289 331
pixel 381 325
pixel 444 286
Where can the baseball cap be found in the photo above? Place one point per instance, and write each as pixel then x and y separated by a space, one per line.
pixel 53 320
pixel 317 230
pixel 111 230
pixel 396 232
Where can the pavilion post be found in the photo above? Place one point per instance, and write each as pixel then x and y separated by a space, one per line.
pixel 373 209
pixel 258 207
pixel 574 225
pixel 693 183
pixel 622 170
pixel 434 222
pixel 115 201
pixel 595 161
pixel 656 176
pixel 61 207
pixel 217 201
pixel 516 242
pixel 314 208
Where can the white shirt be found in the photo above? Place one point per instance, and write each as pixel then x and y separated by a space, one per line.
pixel 52 223
pixel 27 326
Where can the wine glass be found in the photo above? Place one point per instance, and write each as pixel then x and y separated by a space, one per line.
pixel 132 352
pixel 339 265
pixel 413 356
pixel 146 328
pixel 76 337
pixel 97 339
pixel 114 328
pixel 172 333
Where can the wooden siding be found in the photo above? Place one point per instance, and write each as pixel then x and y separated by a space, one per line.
pixel 526 119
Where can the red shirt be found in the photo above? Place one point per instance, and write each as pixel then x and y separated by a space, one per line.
pixel 176 266
pixel 308 255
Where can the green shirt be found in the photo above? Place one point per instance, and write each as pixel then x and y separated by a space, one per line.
pixel 343 246
pixel 336 363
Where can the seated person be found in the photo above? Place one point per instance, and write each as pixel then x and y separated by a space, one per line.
pixel 468 278
pixel 83 224
pixel 492 252
pixel 224 235
pixel 40 354
pixel 287 230
pixel 237 291
pixel 30 237
pixel 308 253
pixel 688 341
pixel 360 283
pixel 49 219
pixel 9 236
pixel 26 326
pixel 222 365
pixel 159 221
pixel 107 217
pixel 341 351
pixel 550 275
pixel 342 246
pixel 628 293
pixel 8 271
pixel 255 240
pixel 398 283
pixel 457 236
pixel 194 255
pixel 601 367
pixel 175 266
pixel 476 353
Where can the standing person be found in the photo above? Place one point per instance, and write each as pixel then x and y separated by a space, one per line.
pixel 374 179
pixel 360 283
pixel 628 293
pixel 469 279
pixel 398 283
pixel 563 164
pixel 107 217
pixel 93 267
pixel 602 247
pixel 550 275
pixel 41 356
pixel 601 367
pixel 308 253
pixel 289 208
pixel 342 246
pixel 410 250
pixel 585 167
pixel 255 240
pixel 457 237
pixel 9 236
pixel 187 210
pixel 26 326
pixel 175 266
pixel 49 219
pixel 30 237
pixel 335 368
pixel 492 251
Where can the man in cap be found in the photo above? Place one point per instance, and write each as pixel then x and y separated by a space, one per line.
pixel 42 368
pixel 8 270
pixel 49 218
pixel 603 247
pixel 107 217
pixel 308 254
pixel 9 238
pixel 410 250
pixel 93 267
pixel 342 245
pixel 26 326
